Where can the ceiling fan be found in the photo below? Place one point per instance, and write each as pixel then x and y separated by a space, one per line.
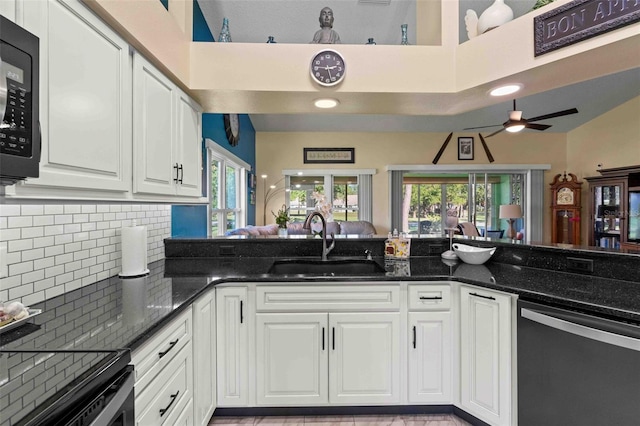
pixel 516 122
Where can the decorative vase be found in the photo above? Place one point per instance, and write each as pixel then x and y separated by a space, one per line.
pixel 282 232
pixel 405 40
pixel 225 35
pixel 370 41
pixel 494 16
pixel 271 40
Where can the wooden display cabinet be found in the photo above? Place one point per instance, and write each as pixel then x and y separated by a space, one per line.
pixel 609 206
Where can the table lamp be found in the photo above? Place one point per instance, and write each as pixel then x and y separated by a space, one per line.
pixel 510 212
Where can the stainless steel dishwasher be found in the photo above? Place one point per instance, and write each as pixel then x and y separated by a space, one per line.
pixel 576 369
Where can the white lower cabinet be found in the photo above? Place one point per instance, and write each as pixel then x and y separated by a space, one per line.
pixel 364 361
pixel 485 354
pixel 292 359
pixel 163 369
pixel 204 358
pixel 232 335
pixel 430 358
pixel 311 358
pixel 430 344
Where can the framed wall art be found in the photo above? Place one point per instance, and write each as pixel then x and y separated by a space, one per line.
pixel 329 155
pixel 465 148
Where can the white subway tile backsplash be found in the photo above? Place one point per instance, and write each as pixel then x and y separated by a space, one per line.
pixel 53 209
pixel 54 248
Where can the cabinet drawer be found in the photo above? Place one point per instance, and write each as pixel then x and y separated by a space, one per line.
pixel 155 354
pixel 429 297
pixel 323 297
pixel 169 394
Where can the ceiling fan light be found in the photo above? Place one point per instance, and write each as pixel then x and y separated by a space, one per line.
pixel 326 103
pixel 507 89
pixel 514 128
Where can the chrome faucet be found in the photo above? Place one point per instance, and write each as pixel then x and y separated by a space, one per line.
pixel 307 225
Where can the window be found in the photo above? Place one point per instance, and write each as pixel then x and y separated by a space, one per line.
pixel 424 197
pixel 349 195
pixel 227 190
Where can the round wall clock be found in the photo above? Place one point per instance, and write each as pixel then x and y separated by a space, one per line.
pixel 232 128
pixel 327 67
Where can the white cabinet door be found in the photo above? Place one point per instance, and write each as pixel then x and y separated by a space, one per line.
pixel 430 357
pixel 233 343
pixel 85 99
pixel 155 165
pixel 364 360
pixel 8 9
pixel 292 358
pixel 189 146
pixel 485 354
pixel 204 358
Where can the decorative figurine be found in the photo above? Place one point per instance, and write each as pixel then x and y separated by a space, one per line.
pixel 271 40
pixel 326 34
pixel 370 41
pixel 494 16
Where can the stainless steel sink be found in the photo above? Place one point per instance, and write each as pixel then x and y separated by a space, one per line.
pixel 331 267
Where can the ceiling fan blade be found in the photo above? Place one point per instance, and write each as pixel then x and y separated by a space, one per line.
pixel 486 149
pixel 482 127
pixel 495 133
pixel 535 126
pixel 553 115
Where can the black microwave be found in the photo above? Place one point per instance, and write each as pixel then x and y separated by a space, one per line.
pixel 20 138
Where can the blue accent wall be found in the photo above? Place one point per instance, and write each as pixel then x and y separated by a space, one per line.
pixel 213 128
pixel 201 30
pixel 189 221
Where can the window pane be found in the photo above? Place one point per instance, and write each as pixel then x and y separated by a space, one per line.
pixel 230 193
pixel 345 198
pixel 422 205
pixel 232 221
pixel 215 184
pixel 301 202
pixel 215 223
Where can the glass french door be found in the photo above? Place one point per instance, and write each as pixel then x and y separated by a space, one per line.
pixel 431 203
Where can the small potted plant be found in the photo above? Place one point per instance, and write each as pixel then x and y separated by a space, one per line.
pixel 282 218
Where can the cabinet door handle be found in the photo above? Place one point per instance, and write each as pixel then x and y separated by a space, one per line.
pixel 173 398
pixel 484 297
pixel 333 338
pixel 431 298
pixel 175 179
pixel 171 345
pixel 181 169
pixel 241 314
pixel 414 337
pixel 323 338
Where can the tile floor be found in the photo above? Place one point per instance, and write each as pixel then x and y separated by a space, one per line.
pixel 359 420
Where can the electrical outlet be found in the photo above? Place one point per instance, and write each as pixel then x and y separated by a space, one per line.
pixel 4 269
pixel 577 264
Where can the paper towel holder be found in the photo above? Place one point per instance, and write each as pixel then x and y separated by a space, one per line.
pixel 141 274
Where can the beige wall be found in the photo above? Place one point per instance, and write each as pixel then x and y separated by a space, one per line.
pixel 278 151
pixel 612 140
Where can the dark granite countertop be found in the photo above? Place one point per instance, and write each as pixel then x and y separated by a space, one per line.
pixel 108 315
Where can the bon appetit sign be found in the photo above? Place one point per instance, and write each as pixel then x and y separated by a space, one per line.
pixel 580 20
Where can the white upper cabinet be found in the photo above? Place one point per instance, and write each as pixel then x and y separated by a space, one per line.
pixel 167 141
pixel 85 94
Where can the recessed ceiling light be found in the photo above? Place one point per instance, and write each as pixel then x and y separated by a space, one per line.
pixel 326 103
pixel 505 90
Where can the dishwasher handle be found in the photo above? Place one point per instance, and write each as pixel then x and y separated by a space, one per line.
pixel 581 330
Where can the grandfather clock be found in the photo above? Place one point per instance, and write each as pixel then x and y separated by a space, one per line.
pixel 565 209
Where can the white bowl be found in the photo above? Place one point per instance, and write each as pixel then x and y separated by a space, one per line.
pixel 473 255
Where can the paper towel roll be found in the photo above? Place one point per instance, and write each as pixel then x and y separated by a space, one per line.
pixel 134 300
pixel 134 251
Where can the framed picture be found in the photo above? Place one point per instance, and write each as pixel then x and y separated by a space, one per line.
pixel 252 197
pixel 465 148
pixel 329 155
pixel 252 180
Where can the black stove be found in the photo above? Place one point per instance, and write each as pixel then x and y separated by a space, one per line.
pixel 42 388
